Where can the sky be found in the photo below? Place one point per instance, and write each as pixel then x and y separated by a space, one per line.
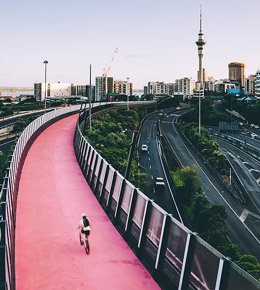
pixel 155 39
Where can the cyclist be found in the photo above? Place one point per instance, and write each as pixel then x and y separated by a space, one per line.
pixel 84 226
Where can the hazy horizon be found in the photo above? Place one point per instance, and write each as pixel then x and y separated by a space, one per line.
pixel 155 40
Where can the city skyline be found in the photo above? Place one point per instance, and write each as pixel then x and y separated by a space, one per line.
pixel 155 40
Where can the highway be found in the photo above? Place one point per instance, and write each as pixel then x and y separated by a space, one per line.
pixel 216 192
pixel 152 164
pixel 247 169
pixel 6 145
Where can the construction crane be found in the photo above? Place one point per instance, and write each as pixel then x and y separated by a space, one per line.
pixel 108 69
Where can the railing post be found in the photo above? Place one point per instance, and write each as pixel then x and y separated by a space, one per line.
pixel 104 185
pixel 94 169
pixel 111 190
pixel 86 163
pixel 82 154
pixel 163 243
pixel 187 261
pixel 146 218
pixel 85 160
pixel 118 205
pixel 98 177
pixel 90 163
pixel 223 271
pixel 131 210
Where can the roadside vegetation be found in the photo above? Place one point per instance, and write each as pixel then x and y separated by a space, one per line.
pixel 7 108
pixel 111 136
pixel 208 220
pixel 251 112
pixel 3 165
pixel 208 147
pixel 22 123
pixel 209 117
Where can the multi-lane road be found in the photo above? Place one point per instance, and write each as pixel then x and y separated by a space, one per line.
pixel 151 161
pixel 240 232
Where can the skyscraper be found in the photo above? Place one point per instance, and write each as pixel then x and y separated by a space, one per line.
pixel 200 43
pixel 237 72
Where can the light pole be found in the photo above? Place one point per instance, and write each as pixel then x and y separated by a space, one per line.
pixel 128 93
pixel 45 63
pixel 90 96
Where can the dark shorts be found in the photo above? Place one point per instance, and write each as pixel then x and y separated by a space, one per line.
pixel 86 232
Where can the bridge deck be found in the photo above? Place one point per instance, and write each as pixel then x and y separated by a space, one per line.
pixel 52 195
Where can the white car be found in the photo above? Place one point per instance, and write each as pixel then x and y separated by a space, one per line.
pixel 159 184
pixel 144 148
pixel 256 126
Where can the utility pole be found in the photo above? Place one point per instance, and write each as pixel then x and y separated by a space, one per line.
pixel 128 94
pixel 90 96
pixel 45 99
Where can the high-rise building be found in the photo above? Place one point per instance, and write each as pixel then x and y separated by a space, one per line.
pixel 185 87
pixel 54 90
pixel 123 88
pixel 237 73
pixel 250 85
pixel 156 88
pixel 200 43
pixel 257 84
pixel 100 88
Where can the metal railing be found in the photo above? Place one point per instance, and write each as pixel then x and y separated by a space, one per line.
pixel 10 188
pixel 176 257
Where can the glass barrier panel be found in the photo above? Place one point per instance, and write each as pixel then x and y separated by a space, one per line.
pixel 204 267
pixel 96 172
pixel 139 210
pixel 93 160
pixel 238 279
pixel 127 197
pixel 155 226
pixel 84 164
pixel 88 160
pixel 110 178
pixel 103 171
pixel 98 165
pixel 176 244
pixel 117 188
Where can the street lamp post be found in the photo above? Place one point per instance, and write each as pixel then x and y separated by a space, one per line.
pixel 45 63
pixel 128 94
pixel 90 96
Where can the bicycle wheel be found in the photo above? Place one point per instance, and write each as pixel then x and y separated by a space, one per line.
pixel 86 244
pixel 80 240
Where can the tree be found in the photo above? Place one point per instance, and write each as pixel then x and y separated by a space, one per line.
pixel 187 183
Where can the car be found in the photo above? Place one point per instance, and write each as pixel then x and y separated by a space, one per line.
pixel 178 108
pixel 256 126
pixel 159 184
pixel 144 148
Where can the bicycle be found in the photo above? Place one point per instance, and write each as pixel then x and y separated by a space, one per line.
pixel 84 241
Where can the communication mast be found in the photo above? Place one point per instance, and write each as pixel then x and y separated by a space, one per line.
pixel 108 69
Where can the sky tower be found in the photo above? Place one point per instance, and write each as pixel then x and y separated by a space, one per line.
pixel 200 43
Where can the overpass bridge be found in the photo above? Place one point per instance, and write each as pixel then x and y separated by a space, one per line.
pixel 53 176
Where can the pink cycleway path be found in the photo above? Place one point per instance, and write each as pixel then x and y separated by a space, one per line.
pixel 52 195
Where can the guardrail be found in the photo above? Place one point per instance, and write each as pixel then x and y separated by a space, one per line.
pixel 173 254
pixel 8 194
pixel 176 257
pixel 10 188
pixel 243 145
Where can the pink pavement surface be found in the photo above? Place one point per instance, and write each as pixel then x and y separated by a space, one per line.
pixel 52 195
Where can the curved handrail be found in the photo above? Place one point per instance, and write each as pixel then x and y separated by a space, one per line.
pixel 10 188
